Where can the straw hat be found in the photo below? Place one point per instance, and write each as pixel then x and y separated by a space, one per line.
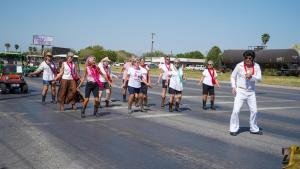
pixel 106 59
pixel 48 54
pixel 70 54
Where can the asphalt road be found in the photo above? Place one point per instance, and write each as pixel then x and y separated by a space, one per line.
pixel 33 135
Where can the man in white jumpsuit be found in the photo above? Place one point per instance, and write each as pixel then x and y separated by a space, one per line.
pixel 243 79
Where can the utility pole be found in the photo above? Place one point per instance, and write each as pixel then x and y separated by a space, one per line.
pixel 152 42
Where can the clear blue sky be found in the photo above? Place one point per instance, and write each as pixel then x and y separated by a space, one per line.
pixel 180 25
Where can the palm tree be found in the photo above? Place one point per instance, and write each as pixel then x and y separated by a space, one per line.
pixel 7 46
pixel 34 49
pixel 30 49
pixel 265 38
pixel 17 47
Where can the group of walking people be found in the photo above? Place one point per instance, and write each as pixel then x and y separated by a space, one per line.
pixel 136 81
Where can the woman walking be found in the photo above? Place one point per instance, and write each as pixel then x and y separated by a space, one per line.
pixel 208 81
pixel 69 74
pixel 49 72
pixel 175 79
pixel 144 87
pixel 124 71
pixel 165 69
pixel 134 78
pixel 92 75
pixel 106 79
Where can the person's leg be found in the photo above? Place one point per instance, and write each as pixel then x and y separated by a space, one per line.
pixel 204 99
pixel 171 100
pixel 107 98
pixel 100 95
pixel 96 106
pixel 84 105
pixel 212 101
pixel 124 91
pixel 141 100
pixel 44 93
pixel 212 97
pixel 130 99
pixel 72 89
pixel 53 92
pixel 204 96
pixel 251 101
pixel 178 100
pixel 234 119
pixel 163 97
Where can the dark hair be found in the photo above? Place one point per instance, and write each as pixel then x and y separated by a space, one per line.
pixel 249 53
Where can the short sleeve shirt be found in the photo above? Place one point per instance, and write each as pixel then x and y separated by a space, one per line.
pixel 135 76
pixel 47 72
pixel 207 78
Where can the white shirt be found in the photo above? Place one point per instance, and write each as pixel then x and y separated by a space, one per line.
pixel 207 78
pixel 239 80
pixel 166 69
pixel 67 71
pixel 176 79
pixel 47 72
pixel 102 78
pixel 135 76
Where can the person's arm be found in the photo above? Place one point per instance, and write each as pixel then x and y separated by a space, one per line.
pixel 37 71
pixel 201 78
pixel 61 72
pixel 233 79
pixel 82 78
pixel 216 79
pixel 160 76
pixel 104 74
pixel 77 70
pixel 257 75
pixel 126 80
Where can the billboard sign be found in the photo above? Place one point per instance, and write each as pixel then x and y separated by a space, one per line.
pixel 42 40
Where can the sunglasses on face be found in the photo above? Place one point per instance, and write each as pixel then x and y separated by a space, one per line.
pixel 210 64
pixel 248 58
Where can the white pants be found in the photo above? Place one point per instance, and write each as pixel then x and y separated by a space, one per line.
pixel 241 96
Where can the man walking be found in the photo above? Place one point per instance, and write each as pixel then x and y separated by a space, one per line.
pixel 243 79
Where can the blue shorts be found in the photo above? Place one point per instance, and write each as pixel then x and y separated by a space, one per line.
pixel 132 90
pixel 47 82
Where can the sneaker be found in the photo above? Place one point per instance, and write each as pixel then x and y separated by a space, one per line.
pixel 204 107
pixel 258 132
pixel 82 113
pixel 212 107
pixel 106 103
pixel 130 111
pixel 233 133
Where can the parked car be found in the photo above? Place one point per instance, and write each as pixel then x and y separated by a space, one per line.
pixel 199 67
pixel 152 66
pixel 190 67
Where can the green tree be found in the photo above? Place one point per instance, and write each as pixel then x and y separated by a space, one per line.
pixel 7 46
pixel 90 50
pixel 17 47
pixel 123 56
pixel 216 56
pixel 265 38
pixel 296 47
pixel 194 55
